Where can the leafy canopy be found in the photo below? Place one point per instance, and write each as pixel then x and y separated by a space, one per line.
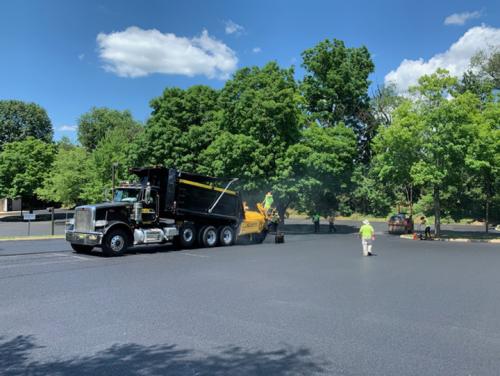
pixel 19 120
pixel 23 166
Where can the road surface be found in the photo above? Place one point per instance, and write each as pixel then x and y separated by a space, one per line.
pixel 310 306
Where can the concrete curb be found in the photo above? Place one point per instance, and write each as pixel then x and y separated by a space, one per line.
pixel 457 240
pixel 34 237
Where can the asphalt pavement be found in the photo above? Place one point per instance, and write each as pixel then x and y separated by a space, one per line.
pixel 310 306
pixel 19 228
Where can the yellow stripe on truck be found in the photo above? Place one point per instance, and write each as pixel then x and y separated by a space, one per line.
pixel 206 186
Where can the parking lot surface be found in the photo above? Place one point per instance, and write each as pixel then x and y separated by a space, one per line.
pixel 310 306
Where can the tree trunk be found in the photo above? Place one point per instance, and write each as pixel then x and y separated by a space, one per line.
pixel 411 201
pixel 487 216
pixel 437 213
pixel 281 212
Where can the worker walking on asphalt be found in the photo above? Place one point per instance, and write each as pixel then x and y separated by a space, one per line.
pixel 268 201
pixel 275 219
pixel 331 223
pixel 315 219
pixel 367 235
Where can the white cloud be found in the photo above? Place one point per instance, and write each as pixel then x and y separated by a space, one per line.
pixel 461 18
pixel 456 59
pixel 68 128
pixel 256 50
pixel 135 52
pixel 81 57
pixel 234 28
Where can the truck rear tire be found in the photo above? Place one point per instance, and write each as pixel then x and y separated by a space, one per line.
pixel 260 237
pixel 200 236
pixel 209 237
pixel 187 235
pixel 115 243
pixel 81 248
pixel 226 235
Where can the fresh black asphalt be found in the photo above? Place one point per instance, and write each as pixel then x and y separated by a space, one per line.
pixel 310 306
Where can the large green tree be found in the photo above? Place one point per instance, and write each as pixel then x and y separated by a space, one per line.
pixel 261 105
pixel 314 172
pixel 335 87
pixel 397 147
pixel 483 160
pixel 68 176
pixel 236 155
pixel 24 165
pixel 182 124
pixel 447 130
pixel 19 120
pixel 94 125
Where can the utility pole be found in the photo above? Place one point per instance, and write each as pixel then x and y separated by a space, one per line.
pixel 52 209
pixel 113 172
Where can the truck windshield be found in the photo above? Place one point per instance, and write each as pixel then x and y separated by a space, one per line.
pixel 126 195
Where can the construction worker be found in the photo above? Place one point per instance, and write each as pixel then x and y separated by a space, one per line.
pixel 367 235
pixel 424 229
pixel 316 219
pixel 331 223
pixel 268 201
pixel 275 220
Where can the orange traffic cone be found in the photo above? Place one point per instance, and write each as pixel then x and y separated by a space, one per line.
pixel 415 236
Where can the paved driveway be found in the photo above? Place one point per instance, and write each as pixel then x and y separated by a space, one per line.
pixel 313 305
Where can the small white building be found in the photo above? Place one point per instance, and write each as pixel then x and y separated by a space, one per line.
pixel 8 204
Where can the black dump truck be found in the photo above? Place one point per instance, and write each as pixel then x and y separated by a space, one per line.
pixel 166 205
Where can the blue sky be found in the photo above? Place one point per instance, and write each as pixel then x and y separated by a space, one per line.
pixel 68 56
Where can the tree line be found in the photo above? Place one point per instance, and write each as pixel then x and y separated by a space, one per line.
pixel 321 144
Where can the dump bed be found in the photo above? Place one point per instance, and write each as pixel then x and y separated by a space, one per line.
pixel 191 196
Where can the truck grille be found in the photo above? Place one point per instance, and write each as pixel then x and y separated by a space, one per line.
pixel 84 220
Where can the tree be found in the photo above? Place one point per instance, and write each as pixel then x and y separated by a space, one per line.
pixel 446 130
pixel 196 105
pixel 93 125
pixel 487 65
pixel 262 103
pixel 397 148
pixel 19 120
pixel 384 101
pixel 313 172
pixel 483 75
pixel 236 155
pixel 335 86
pixel 262 106
pixel 24 165
pixel 369 194
pixel 68 176
pixel 183 123
pixel 483 157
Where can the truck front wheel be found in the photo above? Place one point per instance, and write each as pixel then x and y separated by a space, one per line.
pixel 81 248
pixel 115 243
pixel 187 235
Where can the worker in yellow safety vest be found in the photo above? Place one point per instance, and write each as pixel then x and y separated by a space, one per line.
pixel 268 201
pixel 367 235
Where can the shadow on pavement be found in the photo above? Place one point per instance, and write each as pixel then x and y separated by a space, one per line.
pixel 135 359
pixel 309 229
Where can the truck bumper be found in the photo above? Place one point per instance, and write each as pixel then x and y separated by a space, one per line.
pixel 85 238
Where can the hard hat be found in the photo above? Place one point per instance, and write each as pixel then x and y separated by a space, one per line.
pixel 365 222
